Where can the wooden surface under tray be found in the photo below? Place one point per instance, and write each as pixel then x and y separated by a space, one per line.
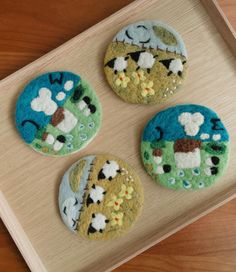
pixel 29 181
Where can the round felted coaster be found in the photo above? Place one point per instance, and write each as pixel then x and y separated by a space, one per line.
pixel 100 197
pixel 185 147
pixel 146 62
pixel 58 113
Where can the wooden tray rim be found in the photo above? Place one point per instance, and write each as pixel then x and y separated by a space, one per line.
pixel 6 213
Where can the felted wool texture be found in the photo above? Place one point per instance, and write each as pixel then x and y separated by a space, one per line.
pixel 145 86
pixel 166 146
pixel 120 204
pixel 57 125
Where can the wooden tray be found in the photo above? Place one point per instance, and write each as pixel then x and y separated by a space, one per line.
pixel 29 181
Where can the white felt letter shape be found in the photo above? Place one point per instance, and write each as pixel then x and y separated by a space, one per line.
pixel 44 102
pixel 191 122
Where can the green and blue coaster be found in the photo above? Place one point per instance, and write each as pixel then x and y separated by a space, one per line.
pixel 58 113
pixel 100 197
pixel 146 62
pixel 185 147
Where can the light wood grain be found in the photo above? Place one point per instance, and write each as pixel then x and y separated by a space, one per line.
pixel 35 223
pixel 222 23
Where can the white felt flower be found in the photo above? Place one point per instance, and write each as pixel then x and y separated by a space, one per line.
pixel 44 102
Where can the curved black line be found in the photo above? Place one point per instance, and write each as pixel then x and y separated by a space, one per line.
pixel 30 121
pixel 161 133
pixel 139 26
pixel 64 211
pixel 147 41
pixel 127 34
pixel 76 202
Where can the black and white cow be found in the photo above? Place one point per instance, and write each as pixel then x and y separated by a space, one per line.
pixel 212 163
pixel 57 142
pixel 86 106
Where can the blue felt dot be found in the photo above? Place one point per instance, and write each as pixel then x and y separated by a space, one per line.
pixel 201 184
pixel 180 173
pixel 171 181
pixel 83 137
pixel 69 146
pixel 91 125
pixel 187 184
pixel 81 126
pixel 69 137
pixel 196 171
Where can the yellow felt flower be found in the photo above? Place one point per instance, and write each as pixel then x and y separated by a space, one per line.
pixel 147 89
pixel 115 202
pixel 138 76
pixel 117 218
pixel 126 191
pixel 122 80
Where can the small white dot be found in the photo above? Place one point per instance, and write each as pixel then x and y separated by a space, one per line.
pixel 60 96
pixel 68 85
pixel 204 136
pixel 216 137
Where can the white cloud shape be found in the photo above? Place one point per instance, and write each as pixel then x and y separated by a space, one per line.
pixel 191 122
pixel 44 102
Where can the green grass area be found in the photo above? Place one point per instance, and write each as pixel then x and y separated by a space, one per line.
pixel 182 178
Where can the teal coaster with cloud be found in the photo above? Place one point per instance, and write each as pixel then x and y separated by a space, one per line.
pixel 185 147
pixel 58 113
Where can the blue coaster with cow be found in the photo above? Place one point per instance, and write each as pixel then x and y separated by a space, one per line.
pixel 58 113
pixel 185 147
pixel 146 62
